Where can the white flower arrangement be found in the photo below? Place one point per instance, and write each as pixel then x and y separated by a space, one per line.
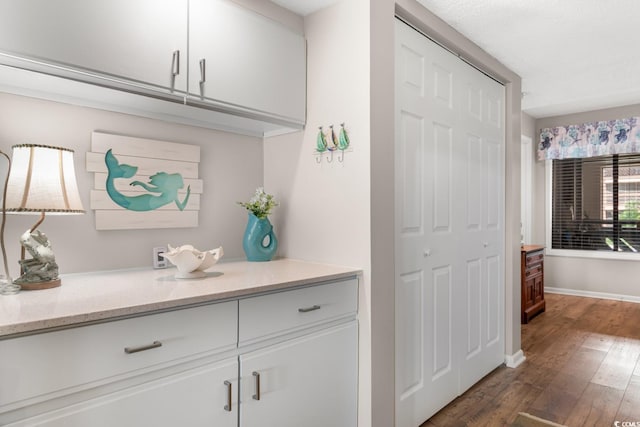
pixel 260 204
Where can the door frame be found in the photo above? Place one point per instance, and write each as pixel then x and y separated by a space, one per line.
pixel 526 185
pixel 376 404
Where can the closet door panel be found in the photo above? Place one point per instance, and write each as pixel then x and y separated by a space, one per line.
pixel 449 234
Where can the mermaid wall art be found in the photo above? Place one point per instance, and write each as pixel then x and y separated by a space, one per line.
pixel 162 188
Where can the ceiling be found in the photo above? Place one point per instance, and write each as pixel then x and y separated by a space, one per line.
pixel 304 7
pixel 572 55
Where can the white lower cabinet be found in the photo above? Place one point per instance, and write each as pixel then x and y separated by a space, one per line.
pixel 297 367
pixel 196 398
pixel 310 381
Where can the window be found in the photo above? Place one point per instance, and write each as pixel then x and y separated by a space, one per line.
pixel 596 203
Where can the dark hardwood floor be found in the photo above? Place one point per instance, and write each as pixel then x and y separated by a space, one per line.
pixel 581 370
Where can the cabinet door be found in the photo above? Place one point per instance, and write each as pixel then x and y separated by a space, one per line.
pixel 310 381
pixel 123 39
pixel 529 293
pixel 251 63
pixel 538 289
pixel 193 398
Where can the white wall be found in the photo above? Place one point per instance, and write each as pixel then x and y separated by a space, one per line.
pixel 529 199
pixel 528 126
pixel 344 212
pixel 324 213
pixel 231 168
pixel 275 12
pixel 613 278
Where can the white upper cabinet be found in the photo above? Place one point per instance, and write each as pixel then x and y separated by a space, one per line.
pixel 246 61
pixel 136 41
pixel 241 71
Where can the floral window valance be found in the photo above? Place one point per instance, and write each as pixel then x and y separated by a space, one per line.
pixel 590 139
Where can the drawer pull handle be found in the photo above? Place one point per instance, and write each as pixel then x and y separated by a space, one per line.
pixel 308 309
pixel 203 71
pixel 175 63
pixel 227 407
pixel 130 350
pixel 256 396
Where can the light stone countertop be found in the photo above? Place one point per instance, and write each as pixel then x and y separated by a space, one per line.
pixel 91 297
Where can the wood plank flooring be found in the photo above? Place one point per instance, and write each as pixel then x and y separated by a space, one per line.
pixel 582 369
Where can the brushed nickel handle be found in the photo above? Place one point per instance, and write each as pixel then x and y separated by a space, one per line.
pixel 227 407
pixel 256 375
pixel 203 71
pixel 308 309
pixel 175 63
pixel 130 350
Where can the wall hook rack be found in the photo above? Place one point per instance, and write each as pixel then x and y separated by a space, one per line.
pixel 330 142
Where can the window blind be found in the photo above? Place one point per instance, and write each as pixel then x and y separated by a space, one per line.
pixel 596 203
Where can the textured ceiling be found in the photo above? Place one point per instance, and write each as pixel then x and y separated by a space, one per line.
pixel 572 55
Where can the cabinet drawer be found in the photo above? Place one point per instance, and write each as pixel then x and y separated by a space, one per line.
pixel 533 271
pixel 264 316
pixel 534 258
pixel 36 365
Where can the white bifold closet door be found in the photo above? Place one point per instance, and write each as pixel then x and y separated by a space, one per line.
pixel 449 236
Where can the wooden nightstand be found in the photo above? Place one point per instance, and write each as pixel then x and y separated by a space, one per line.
pixel 532 281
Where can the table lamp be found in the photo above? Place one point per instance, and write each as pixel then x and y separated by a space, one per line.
pixel 41 179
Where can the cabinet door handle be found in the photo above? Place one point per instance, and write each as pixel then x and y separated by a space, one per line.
pixel 175 63
pixel 256 375
pixel 227 407
pixel 203 71
pixel 308 309
pixel 130 350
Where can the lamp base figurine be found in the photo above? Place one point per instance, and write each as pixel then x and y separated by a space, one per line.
pixel 40 271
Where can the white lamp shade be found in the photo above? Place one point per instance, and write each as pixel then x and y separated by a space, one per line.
pixel 42 179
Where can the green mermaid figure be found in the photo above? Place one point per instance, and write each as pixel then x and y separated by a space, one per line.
pixel 167 185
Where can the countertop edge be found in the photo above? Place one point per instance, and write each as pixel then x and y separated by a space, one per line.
pixel 133 310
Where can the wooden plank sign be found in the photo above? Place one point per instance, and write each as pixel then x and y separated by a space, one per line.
pixel 143 183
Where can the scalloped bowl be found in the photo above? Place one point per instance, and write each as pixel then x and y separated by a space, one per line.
pixel 191 262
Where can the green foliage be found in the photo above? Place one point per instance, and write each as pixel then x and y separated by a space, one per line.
pixel 631 211
pixel 260 204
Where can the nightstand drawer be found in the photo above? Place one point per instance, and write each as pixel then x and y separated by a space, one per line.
pixel 534 258
pixel 268 315
pixel 533 271
pixel 37 365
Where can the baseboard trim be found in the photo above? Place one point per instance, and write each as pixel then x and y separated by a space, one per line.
pixel 591 294
pixel 514 360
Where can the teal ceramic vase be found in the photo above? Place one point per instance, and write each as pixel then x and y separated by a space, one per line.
pixel 259 242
